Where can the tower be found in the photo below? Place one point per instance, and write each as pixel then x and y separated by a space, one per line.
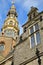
pixel 10 32
pixel 11 27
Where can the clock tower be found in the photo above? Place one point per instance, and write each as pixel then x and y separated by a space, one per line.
pixel 10 27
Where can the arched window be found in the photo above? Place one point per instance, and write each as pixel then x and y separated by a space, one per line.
pixel 2 46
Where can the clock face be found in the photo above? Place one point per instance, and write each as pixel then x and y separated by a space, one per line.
pixel 10 33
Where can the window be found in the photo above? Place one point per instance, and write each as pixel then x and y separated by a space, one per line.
pixel 34 35
pixel 25 29
pixel 38 37
pixel 20 37
pixel 34 14
pixel 40 18
pixel 31 30
pixel 36 27
pixel 1 46
pixel 32 40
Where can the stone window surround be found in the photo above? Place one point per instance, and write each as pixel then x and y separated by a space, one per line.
pixel 34 35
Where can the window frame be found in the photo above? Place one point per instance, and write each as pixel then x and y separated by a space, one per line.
pixel 35 31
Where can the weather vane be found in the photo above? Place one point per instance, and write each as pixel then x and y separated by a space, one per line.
pixel 13 1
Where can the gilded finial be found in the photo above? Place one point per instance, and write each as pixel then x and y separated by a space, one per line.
pixel 13 2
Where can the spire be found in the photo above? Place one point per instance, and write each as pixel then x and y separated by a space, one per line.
pixel 13 2
pixel 11 27
pixel 12 9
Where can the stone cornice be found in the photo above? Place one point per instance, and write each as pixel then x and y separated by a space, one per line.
pixel 32 19
pixel 31 59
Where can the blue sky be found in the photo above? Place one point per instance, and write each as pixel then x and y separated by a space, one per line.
pixel 22 8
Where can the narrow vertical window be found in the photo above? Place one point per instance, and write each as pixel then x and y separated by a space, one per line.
pixel 40 18
pixel 34 35
pixel 38 37
pixel 25 29
pixel 36 27
pixel 31 30
pixel 34 14
pixel 32 41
